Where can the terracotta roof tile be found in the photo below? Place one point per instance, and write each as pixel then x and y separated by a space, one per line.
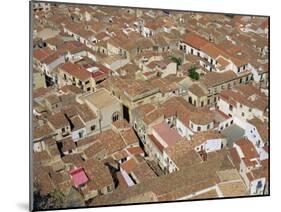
pixel 169 135
pixel 195 40
pixel 129 165
pixel 247 148
pixel 76 71
pixel 58 120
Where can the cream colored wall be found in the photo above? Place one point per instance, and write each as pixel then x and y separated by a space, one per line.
pixel 39 80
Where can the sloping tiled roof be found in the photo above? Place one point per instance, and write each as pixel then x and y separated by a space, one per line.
pixel 76 70
pixel 195 40
pixel 169 135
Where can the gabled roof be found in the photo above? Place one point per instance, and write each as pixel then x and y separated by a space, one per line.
pixel 58 120
pixel 78 176
pixel 175 185
pixel 201 137
pixel 169 135
pixel 197 90
pixel 211 79
pixel 42 53
pixel 76 71
pixel 195 40
pixel 98 173
pixel 247 148
pixel 262 128
pixel 129 136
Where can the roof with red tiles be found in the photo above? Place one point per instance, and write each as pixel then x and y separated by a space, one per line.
pixel 195 40
pixel 159 146
pixel 135 150
pixel 247 148
pixel 169 135
pixel 78 176
pixel 76 71
pixel 129 165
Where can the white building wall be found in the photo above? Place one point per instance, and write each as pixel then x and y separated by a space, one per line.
pixel 155 134
pixel 257 113
pixel 39 146
pixel 146 32
pixel 252 134
pixel 75 134
pixel 91 56
pixel 255 73
pixel 202 127
pixel 79 55
pixel 226 123
pixel 213 145
pixel 224 106
pixel 117 64
pixel 239 151
pixel 253 186
pixel 237 110
pixel 127 178
pixel 183 130
pixel 263 154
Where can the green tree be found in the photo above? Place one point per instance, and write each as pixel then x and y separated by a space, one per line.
pixel 192 73
pixel 55 199
pixel 39 202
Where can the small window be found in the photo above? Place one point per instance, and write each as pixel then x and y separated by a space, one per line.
pixel 180 131
pixel 259 185
pixel 198 128
pixel 243 114
pixel 93 127
pixel 231 122
pixel 258 143
pixel 81 134
pixel 87 82
pixel 88 89
pixel 208 126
